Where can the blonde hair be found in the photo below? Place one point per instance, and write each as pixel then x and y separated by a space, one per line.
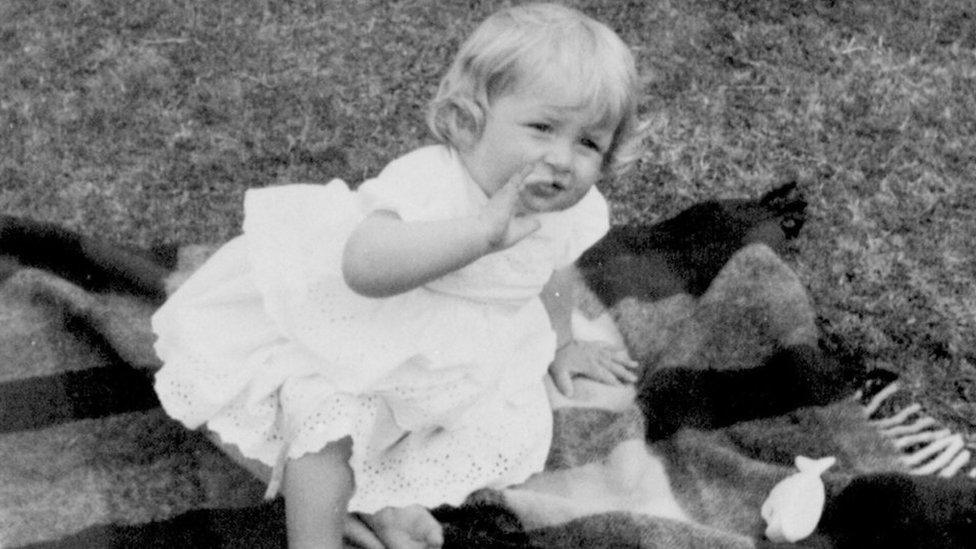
pixel 533 41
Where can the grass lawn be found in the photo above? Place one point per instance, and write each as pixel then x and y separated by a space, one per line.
pixel 145 121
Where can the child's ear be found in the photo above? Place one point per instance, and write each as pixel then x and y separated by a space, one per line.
pixel 469 122
pixel 467 134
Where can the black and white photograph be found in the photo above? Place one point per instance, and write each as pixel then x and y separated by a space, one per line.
pixel 596 274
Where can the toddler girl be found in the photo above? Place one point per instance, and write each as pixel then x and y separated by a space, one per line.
pixel 388 346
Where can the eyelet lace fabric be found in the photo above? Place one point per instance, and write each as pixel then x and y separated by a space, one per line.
pixel 440 388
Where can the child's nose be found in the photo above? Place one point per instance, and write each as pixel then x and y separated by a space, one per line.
pixel 559 155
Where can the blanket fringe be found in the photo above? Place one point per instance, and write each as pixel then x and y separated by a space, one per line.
pixel 929 448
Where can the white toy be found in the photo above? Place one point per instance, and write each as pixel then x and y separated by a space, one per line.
pixel 793 507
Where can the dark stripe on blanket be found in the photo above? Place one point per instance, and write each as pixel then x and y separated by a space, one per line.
pixel 88 262
pixel 483 523
pixel 259 527
pixel 37 402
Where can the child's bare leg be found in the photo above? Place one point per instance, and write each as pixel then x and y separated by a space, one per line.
pixel 380 531
pixel 317 488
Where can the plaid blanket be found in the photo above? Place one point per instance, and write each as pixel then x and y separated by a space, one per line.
pixel 89 460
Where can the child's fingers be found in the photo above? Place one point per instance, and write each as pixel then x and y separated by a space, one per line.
pixel 604 375
pixel 509 192
pixel 504 207
pixel 622 357
pixel 517 181
pixel 615 364
pixel 615 353
pixel 621 372
pixel 564 382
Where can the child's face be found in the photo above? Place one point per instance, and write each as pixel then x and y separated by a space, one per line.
pixel 540 124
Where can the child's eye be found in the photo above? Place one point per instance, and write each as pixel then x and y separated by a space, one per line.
pixel 540 126
pixel 591 144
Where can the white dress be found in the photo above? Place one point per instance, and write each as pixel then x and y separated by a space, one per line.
pixel 440 388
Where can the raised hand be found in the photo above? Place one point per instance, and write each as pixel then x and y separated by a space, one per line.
pixel 503 215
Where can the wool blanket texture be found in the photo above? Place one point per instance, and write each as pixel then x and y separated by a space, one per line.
pixel 88 459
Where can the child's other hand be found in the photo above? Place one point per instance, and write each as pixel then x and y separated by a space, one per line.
pixel 598 361
pixel 502 214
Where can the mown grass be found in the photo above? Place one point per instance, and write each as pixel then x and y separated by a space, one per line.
pixel 145 121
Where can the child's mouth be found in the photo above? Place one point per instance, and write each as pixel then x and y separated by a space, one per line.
pixel 546 189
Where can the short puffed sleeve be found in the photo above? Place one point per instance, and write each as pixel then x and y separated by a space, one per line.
pixel 421 185
pixel 581 226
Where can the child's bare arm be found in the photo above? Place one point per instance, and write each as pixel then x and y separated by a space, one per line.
pixel 558 296
pixel 386 256
pixel 598 361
